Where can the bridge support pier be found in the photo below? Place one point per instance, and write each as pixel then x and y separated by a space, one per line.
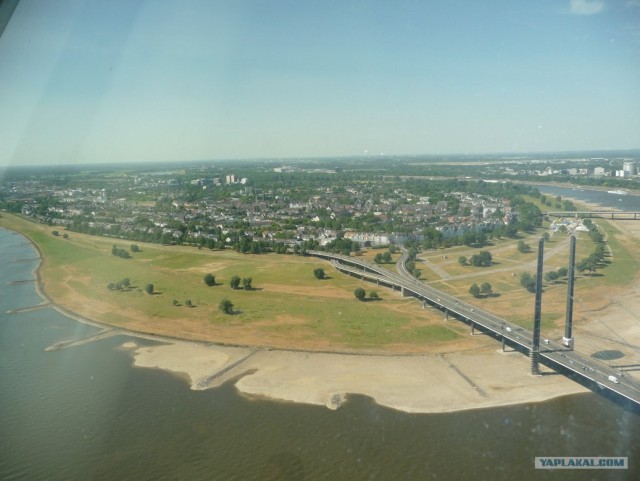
pixel 446 315
pixel 502 343
pixel 473 329
pixel 402 291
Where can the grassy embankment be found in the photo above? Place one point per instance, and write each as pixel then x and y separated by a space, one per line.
pixel 287 308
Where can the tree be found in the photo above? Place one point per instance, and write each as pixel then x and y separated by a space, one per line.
pixel 188 303
pixel 474 290
pixel 386 257
pixel 359 293
pixel 226 306
pixel 462 260
pixel 563 272
pixel 210 280
pixel 135 248
pixel 528 282
pixel 546 236
pixel 65 235
pixel 175 302
pixel 149 288
pixel 126 283
pixel 486 288
pixel 319 273
pixel 523 247
pixel 378 258
pixel 373 295
pixel 55 233
pixel 586 264
pixel 482 259
pixel 246 283
pixel 234 282
pixel 551 277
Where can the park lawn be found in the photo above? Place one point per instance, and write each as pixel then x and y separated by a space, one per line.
pixel 288 306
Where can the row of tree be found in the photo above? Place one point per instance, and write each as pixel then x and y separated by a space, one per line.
pixel 483 290
pixel 234 282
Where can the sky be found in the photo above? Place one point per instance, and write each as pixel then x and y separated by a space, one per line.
pixel 158 80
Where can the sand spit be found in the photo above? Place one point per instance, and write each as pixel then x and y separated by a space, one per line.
pixel 416 384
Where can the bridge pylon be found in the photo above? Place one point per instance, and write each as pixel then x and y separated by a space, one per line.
pixel 567 340
pixel 535 346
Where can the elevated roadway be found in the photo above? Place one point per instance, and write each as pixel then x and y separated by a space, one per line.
pixel 553 354
pixel 602 214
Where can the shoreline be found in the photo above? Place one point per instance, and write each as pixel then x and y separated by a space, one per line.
pixel 412 383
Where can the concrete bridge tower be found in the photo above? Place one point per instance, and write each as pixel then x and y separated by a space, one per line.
pixel 567 340
pixel 535 347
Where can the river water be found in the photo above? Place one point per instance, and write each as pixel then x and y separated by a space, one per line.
pixel 85 413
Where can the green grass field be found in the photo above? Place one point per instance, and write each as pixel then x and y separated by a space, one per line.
pixel 287 301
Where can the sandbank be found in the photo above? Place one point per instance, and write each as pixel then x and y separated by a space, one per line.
pixel 417 384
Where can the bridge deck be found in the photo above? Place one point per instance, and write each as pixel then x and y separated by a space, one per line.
pixel 602 214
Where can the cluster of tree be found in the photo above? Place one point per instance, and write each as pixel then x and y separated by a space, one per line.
pixel 245 281
pixel 529 215
pixel 552 276
pixel 247 245
pixel 123 285
pixel 187 303
pixel 383 258
pixel 565 205
pixel 523 247
pixel 471 238
pixel 361 294
pixel 476 291
pixel 481 259
pixel 119 252
pixel 304 246
pixel 411 267
pixel 342 246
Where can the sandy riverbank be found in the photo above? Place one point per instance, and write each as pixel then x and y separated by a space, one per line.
pixel 418 384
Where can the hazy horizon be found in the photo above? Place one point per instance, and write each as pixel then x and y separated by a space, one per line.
pixel 137 81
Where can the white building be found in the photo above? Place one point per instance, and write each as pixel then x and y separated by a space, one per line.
pixel 629 168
